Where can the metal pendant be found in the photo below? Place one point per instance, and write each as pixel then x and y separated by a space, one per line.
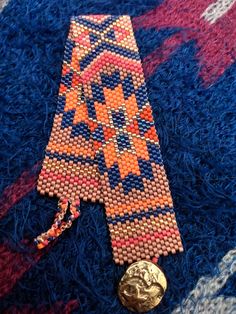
pixel 142 287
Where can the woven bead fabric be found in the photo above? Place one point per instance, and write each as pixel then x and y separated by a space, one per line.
pixel 103 145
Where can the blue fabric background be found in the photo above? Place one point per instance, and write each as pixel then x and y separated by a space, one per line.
pixel 196 127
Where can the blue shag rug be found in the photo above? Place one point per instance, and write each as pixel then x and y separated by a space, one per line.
pixel 188 50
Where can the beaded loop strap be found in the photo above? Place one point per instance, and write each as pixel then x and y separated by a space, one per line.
pixel 103 145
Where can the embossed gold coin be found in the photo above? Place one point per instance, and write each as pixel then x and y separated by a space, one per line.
pixel 142 287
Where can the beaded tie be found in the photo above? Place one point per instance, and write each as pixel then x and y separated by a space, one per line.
pixel 103 145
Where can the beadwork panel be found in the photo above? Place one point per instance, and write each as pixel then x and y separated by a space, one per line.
pixel 104 145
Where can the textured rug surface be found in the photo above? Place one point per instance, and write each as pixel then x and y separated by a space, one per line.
pixel 188 50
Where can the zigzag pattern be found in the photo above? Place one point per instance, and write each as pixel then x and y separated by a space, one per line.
pixel 104 144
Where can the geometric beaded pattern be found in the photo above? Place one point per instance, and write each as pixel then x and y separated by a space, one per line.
pixel 103 144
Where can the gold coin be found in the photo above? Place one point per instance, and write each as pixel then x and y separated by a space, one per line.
pixel 142 287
